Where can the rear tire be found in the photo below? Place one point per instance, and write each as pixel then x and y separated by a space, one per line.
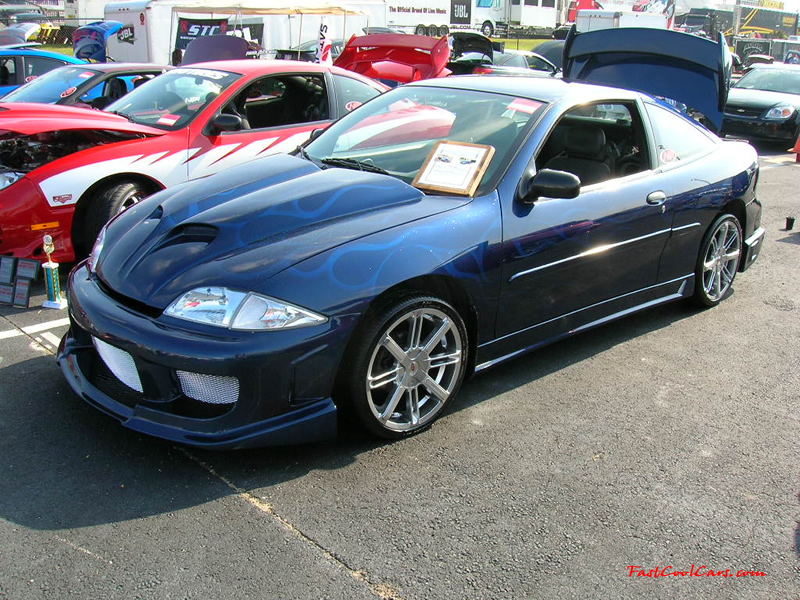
pixel 421 30
pixel 407 362
pixel 718 261
pixel 110 202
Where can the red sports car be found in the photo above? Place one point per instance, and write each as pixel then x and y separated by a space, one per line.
pixel 66 171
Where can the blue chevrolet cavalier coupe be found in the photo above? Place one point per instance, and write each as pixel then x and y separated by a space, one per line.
pixel 436 231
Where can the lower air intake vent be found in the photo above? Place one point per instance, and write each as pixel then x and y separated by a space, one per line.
pixel 120 363
pixel 211 389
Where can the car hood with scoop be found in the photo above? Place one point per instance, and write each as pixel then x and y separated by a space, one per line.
pixel 660 62
pixel 247 228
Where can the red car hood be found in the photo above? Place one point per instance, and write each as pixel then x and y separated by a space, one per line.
pixel 396 57
pixel 30 118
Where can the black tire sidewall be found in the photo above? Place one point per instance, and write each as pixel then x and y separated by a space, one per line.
pixel 106 206
pixel 366 339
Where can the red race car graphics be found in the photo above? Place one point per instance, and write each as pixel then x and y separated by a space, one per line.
pixel 67 170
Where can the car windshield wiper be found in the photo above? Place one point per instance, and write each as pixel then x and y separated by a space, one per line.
pixel 122 114
pixel 352 163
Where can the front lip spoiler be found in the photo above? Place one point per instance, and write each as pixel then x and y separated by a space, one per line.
pixel 313 423
pixel 752 247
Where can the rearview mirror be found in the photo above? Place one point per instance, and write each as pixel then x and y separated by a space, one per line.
pixel 549 183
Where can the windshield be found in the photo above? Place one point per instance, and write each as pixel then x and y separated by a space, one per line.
pixel 172 100
pixel 771 80
pixel 53 85
pixel 397 131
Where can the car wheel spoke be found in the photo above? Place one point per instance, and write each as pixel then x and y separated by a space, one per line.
pixel 394 400
pixel 413 406
pixel 415 338
pixel 394 349
pixel 442 360
pixel 385 378
pixel 437 336
pixel 434 388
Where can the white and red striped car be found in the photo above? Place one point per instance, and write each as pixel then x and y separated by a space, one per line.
pixel 65 171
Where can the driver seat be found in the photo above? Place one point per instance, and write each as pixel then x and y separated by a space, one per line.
pixel 583 155
pixel 116 89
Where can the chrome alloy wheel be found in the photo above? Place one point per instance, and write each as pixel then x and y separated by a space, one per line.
pixel 721 260
pixel 414 368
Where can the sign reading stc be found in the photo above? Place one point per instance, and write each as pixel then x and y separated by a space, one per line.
pixel 191 29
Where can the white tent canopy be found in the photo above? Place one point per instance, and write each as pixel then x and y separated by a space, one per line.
pixel 260 7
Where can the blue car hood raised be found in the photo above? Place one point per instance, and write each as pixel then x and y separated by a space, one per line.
pixel 240 227
pixel 658 62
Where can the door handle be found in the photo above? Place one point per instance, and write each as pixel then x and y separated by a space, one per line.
pixel 656 198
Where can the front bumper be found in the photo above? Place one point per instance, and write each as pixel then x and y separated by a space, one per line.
pixel 25 216
pixel 283 379
pixel 756 128
pixel 752 248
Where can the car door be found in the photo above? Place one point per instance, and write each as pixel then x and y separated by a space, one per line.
pixel 278 113
pixel 9 74
pixel 562 255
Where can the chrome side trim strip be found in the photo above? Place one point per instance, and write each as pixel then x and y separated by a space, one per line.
pixel 689 226
pixel 679 293
pixel 597 250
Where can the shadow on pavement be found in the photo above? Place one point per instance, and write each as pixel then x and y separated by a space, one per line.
pixel 65 465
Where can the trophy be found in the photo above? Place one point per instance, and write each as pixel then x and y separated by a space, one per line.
pixel 51 284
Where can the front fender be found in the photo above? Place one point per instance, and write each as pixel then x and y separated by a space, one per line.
pixel 462 244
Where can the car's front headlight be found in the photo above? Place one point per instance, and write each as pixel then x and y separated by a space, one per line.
pixel 782 111
pixel 94 256
pixel 9 177
pixel 234 309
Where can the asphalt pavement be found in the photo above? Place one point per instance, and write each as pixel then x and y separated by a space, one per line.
pixel 655 457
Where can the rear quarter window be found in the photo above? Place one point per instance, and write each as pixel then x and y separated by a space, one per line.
pixel 676 138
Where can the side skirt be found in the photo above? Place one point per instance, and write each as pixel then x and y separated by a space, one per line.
pixel 520 342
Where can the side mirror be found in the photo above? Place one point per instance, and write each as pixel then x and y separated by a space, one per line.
pixel 550 184
pixel 315 134
pixel 225 122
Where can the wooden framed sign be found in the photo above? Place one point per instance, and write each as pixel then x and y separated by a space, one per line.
pixel 454 167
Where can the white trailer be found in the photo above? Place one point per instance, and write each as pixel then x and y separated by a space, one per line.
pixel 153 29
pixel 82 12
pixel 589 20
pixel 437 17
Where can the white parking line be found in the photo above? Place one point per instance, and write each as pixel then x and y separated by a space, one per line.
pixel 30 329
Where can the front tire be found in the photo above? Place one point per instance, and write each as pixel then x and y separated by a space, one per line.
pixel 409 361
pixel 718 261
pixel 487 29
pixel 110 202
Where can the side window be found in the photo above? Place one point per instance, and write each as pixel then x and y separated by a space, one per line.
pixel 597 142
pixel 677 138
pixel 351 93
pixel 92 93
pixel 37 65
pixel 281 101
pixel 8 71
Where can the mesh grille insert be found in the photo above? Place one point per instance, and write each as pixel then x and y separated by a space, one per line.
pixel 120 363
pixel 212 389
